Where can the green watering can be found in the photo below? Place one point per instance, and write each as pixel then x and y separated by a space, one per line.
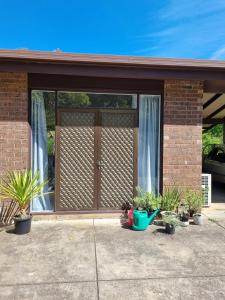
pixel 141 220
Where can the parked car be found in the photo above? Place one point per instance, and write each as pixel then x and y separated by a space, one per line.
pixel 214 163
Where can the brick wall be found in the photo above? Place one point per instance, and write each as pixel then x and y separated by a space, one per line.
pixel 14 128
pixel 182 152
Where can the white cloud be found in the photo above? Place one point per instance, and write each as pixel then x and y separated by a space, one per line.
pixel 190 8
pixel 219 54
pixel 188 28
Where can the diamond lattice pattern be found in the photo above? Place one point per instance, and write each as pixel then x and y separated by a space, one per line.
pixel 117 155
pixel 76 160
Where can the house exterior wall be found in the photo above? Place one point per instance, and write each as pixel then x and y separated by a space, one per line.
pixel 182 129
pixel 182 133
pixel 14 128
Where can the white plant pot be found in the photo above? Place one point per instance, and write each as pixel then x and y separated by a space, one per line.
pixel 198 219
pixel 184 224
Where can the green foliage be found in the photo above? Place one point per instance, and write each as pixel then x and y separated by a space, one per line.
pixel 146 200
pixel 212 136
pixel 107 100
pixel 49 102
pixel 93 100
pixel 73 99
pixel 21 187
pixel 51 142
pixel 171 220
pixel 194 201
pixel 171 199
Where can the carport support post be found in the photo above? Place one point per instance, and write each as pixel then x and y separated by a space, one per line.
pixel 224 132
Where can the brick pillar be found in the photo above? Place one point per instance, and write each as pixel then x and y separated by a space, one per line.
pixel 182 149
pixel 14 128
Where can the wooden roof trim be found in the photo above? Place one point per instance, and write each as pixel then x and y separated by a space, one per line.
pixel 214 113
pixel 211 100
pixel 71 58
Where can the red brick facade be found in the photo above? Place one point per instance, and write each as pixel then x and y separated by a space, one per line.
pixel 182 149
pixel 182 128
pixel 14 128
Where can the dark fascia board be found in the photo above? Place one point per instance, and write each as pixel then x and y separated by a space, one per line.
pixel 62 57
pixel 66 82
pixel 213 121
pixel 214 86
pixel 110 66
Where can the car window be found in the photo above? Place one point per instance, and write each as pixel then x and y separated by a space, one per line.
pixel 212 153
pixel 217 155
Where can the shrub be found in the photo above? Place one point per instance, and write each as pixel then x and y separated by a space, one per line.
pixel 146 200
pixel 171 199
pixel 194 201
pixel 21 187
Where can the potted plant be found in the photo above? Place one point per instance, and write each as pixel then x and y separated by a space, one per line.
pixel 194 201
pixel 152 202
pixel 170 224
pixel 198 219
pixel 146 201
pixel 184 218
pixel 127 217
pixel 145 208
pixel 22 187
pixel 170 201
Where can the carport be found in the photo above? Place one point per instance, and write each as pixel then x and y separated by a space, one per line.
pixel 214 114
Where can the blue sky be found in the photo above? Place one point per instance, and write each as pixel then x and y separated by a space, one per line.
pixel 159 28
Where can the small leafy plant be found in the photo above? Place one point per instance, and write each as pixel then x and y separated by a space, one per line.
pixel 126 206
pixel 21 187
pixel 146 200
pixel 171 199
pixel 184 214
pixel 171 220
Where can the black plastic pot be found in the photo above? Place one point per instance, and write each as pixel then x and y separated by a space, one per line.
pixel 170 228
pixel 184 218
pixel 22 226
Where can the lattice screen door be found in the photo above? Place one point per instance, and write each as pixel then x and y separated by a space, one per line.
pixel 95 159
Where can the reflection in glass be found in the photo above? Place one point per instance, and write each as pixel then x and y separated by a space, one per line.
pixel 95 100
pixel 43 137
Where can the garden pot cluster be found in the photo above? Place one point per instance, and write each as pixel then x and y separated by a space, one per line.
pixel 172 211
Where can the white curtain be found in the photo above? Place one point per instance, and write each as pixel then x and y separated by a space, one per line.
pixel 39 148
pixel 149 143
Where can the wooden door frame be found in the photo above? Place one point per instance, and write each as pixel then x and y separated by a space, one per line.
pixel 97 154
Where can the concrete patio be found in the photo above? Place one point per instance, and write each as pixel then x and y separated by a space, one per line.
pixel 97 259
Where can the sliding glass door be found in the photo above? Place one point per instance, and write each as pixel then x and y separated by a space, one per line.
pixel 44 107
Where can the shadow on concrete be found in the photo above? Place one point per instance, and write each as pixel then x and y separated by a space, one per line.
pixel 160 230
pixel 218 192
pixel 10 231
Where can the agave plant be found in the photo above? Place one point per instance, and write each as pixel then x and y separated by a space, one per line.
pixel 21 187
